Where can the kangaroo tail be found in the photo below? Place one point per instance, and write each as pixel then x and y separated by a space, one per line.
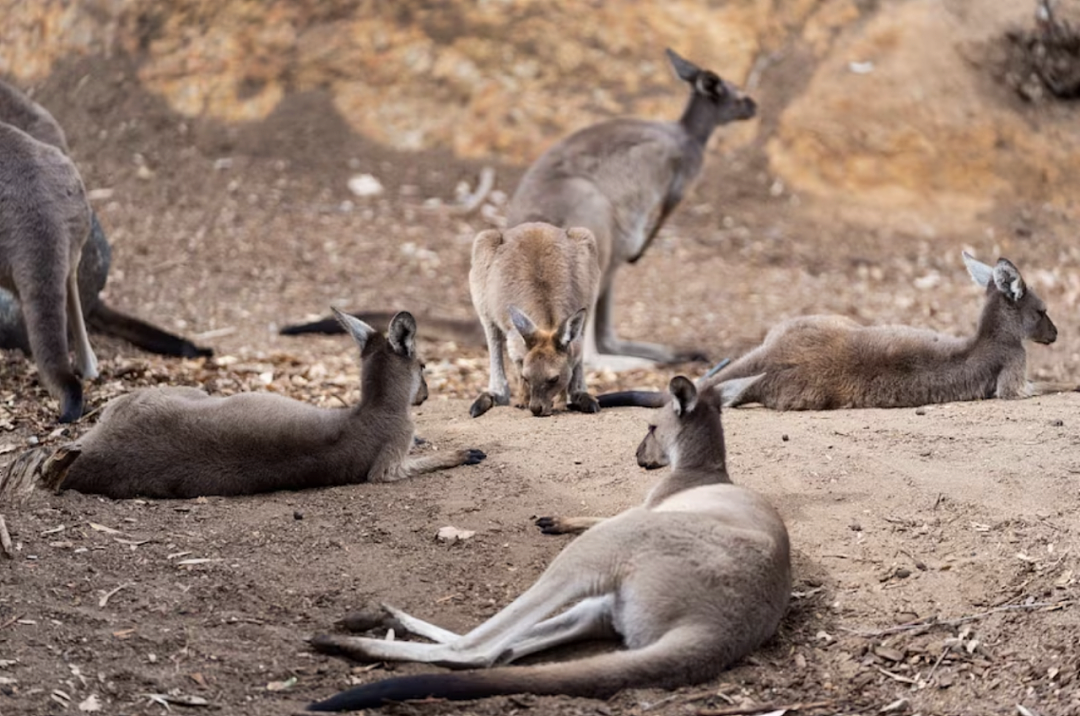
pixel 141 334
pixel 632 399
pixel 467 332
pixel 682 656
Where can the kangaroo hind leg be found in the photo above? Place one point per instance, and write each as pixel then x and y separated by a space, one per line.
pixel 85 361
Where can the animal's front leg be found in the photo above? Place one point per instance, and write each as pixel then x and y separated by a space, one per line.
pixel 578 397
pixel 85 360
pixel 566 525
pixel 498 392
pixel 413 466
pixel 419 627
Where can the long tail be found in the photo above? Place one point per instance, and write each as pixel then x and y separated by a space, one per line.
pixel 632 399
pixel 467 332
pixel 681 657
pixel 140 333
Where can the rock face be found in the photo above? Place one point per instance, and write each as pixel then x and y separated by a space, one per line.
pixel 899 110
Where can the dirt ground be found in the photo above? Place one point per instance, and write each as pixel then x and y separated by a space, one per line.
pixel 936 549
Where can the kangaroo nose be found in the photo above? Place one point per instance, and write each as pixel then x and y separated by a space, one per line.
pixel 749 107
pixel 539 409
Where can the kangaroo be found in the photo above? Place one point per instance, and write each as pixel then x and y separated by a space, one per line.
pixel 181 442
pixel 20 111
pixel 44 222
pixel 532 286
pixel 465 332
pixel 829 362
pixel 621 179
pixel 691 581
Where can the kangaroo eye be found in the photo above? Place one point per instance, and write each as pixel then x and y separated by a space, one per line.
pixel 553 381
pixel 652 429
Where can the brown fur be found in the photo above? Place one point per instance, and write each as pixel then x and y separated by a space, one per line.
pixel 532 286
pixel 829 362
pixel 691 582
pixel 181 442
pixel 621 179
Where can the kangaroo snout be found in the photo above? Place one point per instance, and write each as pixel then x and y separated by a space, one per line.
pixel 747 108
pixel 540 409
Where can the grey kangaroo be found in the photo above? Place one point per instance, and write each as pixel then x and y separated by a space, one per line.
pixel 621 179
pixel 690 582
pixel 828 362
pixel 44 223
pixel 181 442
pixel 532 286
pixel 20 111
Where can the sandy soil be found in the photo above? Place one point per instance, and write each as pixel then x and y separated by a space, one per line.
pixel 957 521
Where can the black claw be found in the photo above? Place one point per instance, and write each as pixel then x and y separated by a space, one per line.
pixel 584 403
pixel 548 525
pixel 481 405
pixel 325 644
pixel 474 457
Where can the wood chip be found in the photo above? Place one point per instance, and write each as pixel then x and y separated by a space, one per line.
pixel 5 540
pixel 110 594
pixel 103 528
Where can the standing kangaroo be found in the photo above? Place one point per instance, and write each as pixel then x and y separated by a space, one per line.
pixel 829 362
pixel 44 222
pixel 532 286
pixel 691 581
pixel 621 179
pixel 20 111
pixel 181 442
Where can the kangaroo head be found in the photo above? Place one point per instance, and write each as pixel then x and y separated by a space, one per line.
pixel 686 429
pixel 392 361
pixel 550 357
pixel 729 102
pixel 1016 310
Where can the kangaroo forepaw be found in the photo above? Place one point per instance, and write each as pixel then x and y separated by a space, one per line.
pixel 71 402
pixel 473 456
pixel 583 402
pixel 330 644
pixel 550 525
pixel 486 402
pixel 367 619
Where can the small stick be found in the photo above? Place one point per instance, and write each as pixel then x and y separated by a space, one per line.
pixel 483 188
pixel 763 708
pixel 109 595
pixel 5 540
pixel 930 676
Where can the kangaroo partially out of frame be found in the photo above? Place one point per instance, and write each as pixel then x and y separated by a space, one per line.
pixel 621 179
pixel 44 223
pixel 181 442
pixel 20 111
pixel 829 362
pixel 691 581
pixel 532 286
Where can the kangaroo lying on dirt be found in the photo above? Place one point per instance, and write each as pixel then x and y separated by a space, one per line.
pixel 20 111
pixel 691 581
pixel 44 222
pixel 621 179
pixel 829 362
pixel 181 442
pixel 532 286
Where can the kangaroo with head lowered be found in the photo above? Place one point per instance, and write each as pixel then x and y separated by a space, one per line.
pixel 181 442
pixel 691 581
pixel 621 179
pixel 44 223
pixel 20 111
pixel 828 362
pixel 532 287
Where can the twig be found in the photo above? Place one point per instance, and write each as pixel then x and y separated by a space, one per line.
pixel 5 540
pixel 110 594
pixel 933 669
pixel 483 188
pixel 934 622
pixel 897 677
pixel 763 708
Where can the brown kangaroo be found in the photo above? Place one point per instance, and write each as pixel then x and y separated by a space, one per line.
pixel 690 582
pixel 621 179
pixel 44 223
pixel 532 286
pixel 20 111
pixel 181 442
pixel 829 362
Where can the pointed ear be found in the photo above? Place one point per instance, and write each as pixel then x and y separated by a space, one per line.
pixel 356 328
pixel 522 323
pixel 980 272
pixel 402 334
pixel 731 391
pixel 684 394
pixel 1008 280
pixel 686 70
pixel 571 329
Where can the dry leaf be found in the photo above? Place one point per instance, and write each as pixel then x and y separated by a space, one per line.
pixel 281 685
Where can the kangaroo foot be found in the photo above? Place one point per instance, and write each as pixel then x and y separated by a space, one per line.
pixel 583 402
pixel 472 456
pixel 71 401
pixel 486 402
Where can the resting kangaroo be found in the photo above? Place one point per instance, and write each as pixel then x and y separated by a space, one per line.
pixel 828 362
pixel 181 442
pixel 44 222
pixel 20 111
pixel 532 286
pixel 621 179
pixel 691 582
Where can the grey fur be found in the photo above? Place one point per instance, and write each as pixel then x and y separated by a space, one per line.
pixel 181 442
pixel 621 179
pixel 691 581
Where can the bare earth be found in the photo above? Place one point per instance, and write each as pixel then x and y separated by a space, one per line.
pixel 963 514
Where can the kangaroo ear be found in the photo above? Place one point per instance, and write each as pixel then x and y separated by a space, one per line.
pixel 522 323
pixel 572 328
pixel 356 328
pixel 731 391
pixel 684 394
pixel 402 334
pixel 1008 280
pixel 686 70
pixel 980 272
